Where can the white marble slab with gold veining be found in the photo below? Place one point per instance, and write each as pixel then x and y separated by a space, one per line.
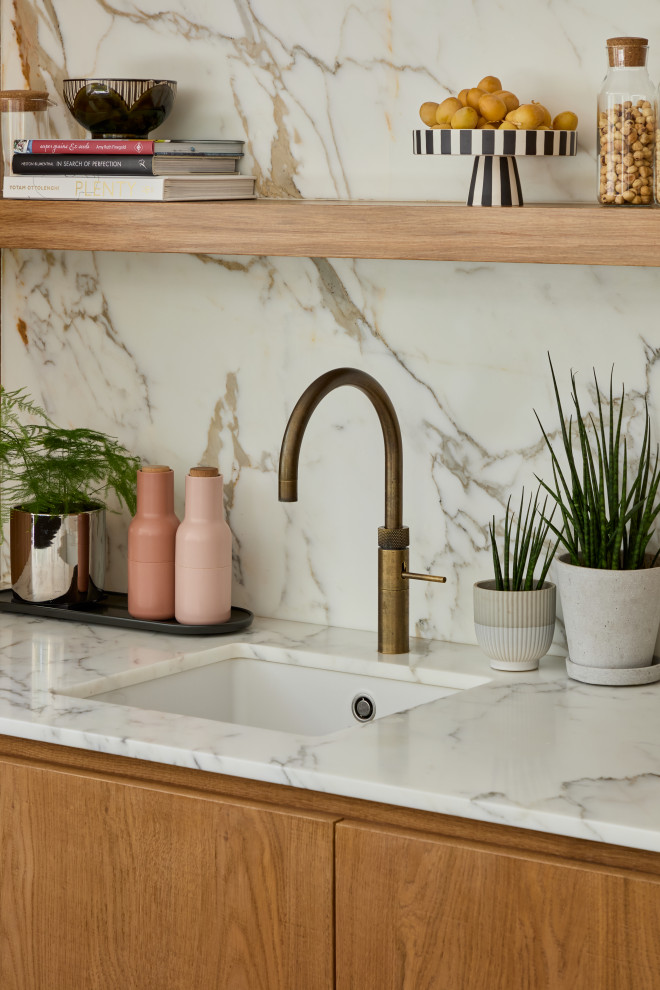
pixel 532 750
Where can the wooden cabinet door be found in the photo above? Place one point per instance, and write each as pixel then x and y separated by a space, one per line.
pixel 110 884
pixel 419 912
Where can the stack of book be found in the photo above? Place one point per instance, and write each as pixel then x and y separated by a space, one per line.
pixel 127 170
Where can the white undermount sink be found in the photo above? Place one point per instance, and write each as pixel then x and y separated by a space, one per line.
pixel 288 691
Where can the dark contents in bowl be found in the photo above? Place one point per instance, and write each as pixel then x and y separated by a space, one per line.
pixel 128 108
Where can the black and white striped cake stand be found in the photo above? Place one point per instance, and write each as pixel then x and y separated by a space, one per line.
pixel 495 179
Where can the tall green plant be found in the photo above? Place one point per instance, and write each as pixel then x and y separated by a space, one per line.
pixel 514 568
pixel 608 505
pixel 47 469
pixel 14 434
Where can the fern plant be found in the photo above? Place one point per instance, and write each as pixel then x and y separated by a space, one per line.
pixel 50 470
pixel 522 546
pixel 608 504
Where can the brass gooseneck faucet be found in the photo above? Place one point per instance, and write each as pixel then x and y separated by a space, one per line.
pixel 393 573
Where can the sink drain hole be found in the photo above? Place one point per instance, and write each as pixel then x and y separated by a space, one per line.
pixel 364 708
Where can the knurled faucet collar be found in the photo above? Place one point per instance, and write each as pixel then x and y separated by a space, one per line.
pixel 393 539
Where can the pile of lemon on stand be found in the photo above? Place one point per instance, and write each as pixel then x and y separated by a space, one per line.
pixel 488 107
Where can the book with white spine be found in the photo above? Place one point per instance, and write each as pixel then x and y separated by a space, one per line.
pixel 91 188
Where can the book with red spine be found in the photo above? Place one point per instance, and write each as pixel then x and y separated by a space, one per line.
pixel 61 146
pixel 121 146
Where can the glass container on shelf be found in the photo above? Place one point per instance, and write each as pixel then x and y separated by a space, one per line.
pixel 24 115
pixel 626 126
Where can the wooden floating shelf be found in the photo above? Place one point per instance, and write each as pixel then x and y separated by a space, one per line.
pixel 580 234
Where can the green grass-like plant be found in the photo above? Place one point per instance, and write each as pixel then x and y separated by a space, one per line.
pixel 50 470
pixel 514 568
pixel 608 505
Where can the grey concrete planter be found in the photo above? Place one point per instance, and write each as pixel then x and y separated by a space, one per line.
pixel 514 628
pixel 611 617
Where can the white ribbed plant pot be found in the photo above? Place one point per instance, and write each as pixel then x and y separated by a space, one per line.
pixel 514 628
pixel 611 617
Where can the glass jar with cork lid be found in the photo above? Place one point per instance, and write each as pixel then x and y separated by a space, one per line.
pixel 24 114
pixel 626 126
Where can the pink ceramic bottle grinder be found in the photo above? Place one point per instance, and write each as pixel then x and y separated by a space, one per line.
pixel 203 552
pixel 151 544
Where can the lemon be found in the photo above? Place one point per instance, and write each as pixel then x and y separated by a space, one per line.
pixel 527 117
pixel 565 121
pixel 489 84
pixel 427 113
pixel 511 100
pixel 465 118
pixel 473 97
pixel 447 109
pixel 492 107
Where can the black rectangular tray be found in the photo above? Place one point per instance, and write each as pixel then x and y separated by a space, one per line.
pixel 112 610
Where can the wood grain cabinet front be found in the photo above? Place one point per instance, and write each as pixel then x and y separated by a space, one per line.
pixel 422 912
pixel 119 885
pixel 117 874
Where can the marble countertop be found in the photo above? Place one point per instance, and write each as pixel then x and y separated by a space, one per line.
pixel 534 750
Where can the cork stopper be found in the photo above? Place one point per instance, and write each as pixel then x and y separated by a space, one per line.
pixel 154 468
pixel 203 472
pixel 628 52
pixel 24 100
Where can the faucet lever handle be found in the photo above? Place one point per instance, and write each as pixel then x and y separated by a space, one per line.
pixel 408 575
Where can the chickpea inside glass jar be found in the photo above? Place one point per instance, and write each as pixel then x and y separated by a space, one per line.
pixel 627 146
pixel 626 126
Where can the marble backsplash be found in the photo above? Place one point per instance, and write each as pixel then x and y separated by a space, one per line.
pixel 191 359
